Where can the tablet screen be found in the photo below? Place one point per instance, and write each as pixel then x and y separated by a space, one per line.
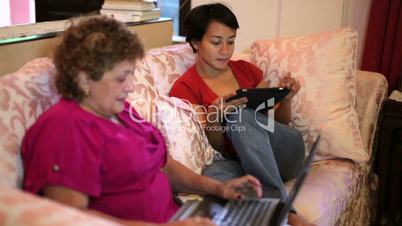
pixel 261 98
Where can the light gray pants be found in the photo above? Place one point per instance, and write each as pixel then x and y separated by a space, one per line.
pixel 271 157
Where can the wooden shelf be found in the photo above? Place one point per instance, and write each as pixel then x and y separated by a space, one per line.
pixel 39 40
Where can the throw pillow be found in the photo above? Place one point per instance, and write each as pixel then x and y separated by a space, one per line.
pixel 324 64
pixel 168 63
pixel 24 95
pixel 185 140
pixel 184 137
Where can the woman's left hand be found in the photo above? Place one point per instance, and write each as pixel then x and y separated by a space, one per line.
pixel 236 188
pixel 292 84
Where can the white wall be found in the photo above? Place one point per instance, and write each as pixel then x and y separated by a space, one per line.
pixel 300 17
pixel 4 13
pixel 263 19
pixel 356 16
pixel 14 12
pixel 257 19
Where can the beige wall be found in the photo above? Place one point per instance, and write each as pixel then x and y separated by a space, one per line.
pixel 257 19
pixel 356 16
pixel 262 19
pixel 309 16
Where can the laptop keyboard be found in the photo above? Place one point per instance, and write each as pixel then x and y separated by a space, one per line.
pixel 244 212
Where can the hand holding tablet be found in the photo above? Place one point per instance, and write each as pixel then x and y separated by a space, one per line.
pixel 258 96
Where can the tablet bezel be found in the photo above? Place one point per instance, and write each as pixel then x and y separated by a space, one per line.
pixel 258 96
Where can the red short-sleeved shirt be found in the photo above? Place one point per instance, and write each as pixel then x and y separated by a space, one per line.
pixel 191 86
pixel 118 167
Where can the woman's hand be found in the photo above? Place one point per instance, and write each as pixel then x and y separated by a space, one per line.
pixel 235 188
pixel 297 220
pixel 221 106
pixel 292 84
pixel 193 221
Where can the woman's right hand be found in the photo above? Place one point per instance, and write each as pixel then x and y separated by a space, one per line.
pixel 222 106
pixel 193 221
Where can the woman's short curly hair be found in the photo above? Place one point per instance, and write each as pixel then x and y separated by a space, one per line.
pixel 93 45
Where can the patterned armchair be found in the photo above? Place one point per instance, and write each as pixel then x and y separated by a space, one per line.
pixel 337 191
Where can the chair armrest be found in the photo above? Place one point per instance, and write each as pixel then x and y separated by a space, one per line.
pixel 21 208
pixel 371 92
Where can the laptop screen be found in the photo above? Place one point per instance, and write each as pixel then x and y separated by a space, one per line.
pixel 299 181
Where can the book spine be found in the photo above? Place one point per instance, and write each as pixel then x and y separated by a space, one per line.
pixel 127 6
pixel 155 11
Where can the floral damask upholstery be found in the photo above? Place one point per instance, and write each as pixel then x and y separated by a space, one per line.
pixel 340 192
pixel 18 208
pixel 183 134
pixel 369 100
pixel 169 63
pixel 325 66
pixel 185 140
pixel 24 95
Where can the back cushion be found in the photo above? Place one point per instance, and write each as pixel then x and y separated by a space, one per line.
pixel 324 64
pixel 144 90
pixel 153 77
pixel 24 95
pixel 168 63
pixel 185 139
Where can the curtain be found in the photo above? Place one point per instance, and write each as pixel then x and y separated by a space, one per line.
pixel 383 45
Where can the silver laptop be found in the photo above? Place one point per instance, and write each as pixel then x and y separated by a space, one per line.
pixel 248 211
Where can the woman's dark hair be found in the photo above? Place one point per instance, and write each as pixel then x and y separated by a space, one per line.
pixel 199 18
pixel 93 45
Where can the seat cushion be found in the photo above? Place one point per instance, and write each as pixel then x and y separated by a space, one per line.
pixel 328 190
pixel 24 95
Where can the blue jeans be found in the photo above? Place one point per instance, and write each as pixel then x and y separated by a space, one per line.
pixel 270 157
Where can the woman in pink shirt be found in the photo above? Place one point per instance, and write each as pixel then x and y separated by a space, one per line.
pixel 88 153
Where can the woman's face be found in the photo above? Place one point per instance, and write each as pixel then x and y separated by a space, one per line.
pixel 106 97
pixel 216 47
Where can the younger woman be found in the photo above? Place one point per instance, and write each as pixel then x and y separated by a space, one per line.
pixel 230 127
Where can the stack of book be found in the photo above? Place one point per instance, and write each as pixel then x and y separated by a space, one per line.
pixel 130 10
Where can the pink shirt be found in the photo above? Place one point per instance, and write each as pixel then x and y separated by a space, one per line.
pixel 118 167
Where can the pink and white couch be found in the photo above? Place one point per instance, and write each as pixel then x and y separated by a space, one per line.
pixel 335 99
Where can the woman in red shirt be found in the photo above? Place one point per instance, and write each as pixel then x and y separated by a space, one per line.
pixel 230 126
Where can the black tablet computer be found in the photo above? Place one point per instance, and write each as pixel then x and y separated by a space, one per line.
pixel 261 98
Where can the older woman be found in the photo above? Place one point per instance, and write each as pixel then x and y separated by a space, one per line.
pixel 86 151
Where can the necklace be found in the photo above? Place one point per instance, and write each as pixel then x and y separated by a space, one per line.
pixel 114 119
